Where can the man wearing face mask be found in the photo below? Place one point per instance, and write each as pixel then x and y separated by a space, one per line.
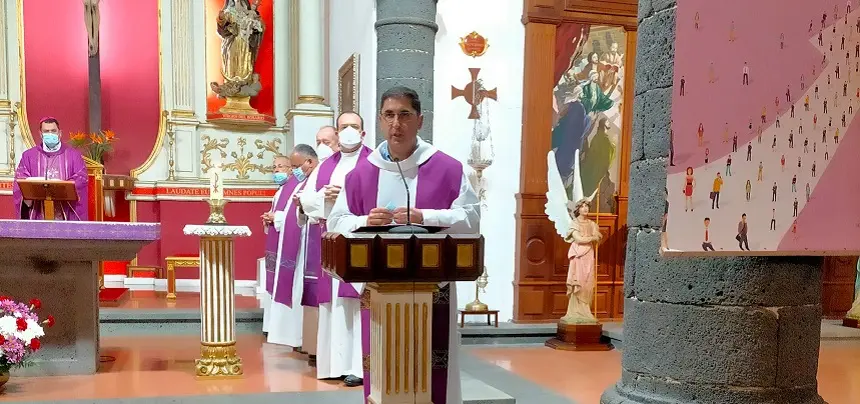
pixel 337 331
pixel 285 320
pixel 274 238
pixel 326 142
pixel 441 194
pixel 52 160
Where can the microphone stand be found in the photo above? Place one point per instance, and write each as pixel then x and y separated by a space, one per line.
pixel 408 228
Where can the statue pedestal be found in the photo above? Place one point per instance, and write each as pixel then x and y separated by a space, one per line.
pixel 579 337
pixel 238 111
pixel 852 318
pixel 217 317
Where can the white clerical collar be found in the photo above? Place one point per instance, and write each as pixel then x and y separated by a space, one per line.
pixel 51 150
pixel 352 153
pixel 422 153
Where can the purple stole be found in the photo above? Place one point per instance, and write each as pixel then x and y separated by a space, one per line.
pixel 273 237
pixel 289 253
pixel 317 283
pixel 439 180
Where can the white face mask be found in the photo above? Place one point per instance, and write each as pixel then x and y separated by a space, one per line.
pixel 323 151
pixel 349 138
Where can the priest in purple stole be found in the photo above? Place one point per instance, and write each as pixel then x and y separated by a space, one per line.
pixel 339 353
pixel 326 140
pixel 286 185
pixel 52 160
pixel 374 195
pixel 285 321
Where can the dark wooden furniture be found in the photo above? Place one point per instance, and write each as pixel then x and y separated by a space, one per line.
pixel 492 316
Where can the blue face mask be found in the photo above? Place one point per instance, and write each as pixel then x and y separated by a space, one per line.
pixel 51 140
pixel 300 175
pixel 280 178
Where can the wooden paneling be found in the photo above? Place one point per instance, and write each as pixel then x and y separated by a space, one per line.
pixel 541 255
pixel 837 289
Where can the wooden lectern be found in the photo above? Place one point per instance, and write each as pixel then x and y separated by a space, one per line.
pixel 48 191
pixel 402 272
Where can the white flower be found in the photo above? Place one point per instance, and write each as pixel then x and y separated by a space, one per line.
pixel 8 327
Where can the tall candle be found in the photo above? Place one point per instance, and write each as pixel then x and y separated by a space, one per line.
pixel 216 181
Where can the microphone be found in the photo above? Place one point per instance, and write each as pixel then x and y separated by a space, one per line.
pixel 409 228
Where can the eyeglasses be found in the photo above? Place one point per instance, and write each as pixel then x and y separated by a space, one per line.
pixel 403 116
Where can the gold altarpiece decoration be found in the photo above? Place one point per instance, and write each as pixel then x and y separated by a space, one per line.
pixel 241 29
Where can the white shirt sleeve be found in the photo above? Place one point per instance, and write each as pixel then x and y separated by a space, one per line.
pixel 280 218
pixel 312 207
pixel 341 220
pixel 464 217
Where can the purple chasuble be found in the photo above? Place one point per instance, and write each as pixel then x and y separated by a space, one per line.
pixel 274 236
pixel 439 180
pixel 65 164
pixel 317 282
pixel 289 254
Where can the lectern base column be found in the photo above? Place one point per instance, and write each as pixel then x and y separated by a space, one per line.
pixel 401 330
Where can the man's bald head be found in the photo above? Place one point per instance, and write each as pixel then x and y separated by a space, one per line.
pixel 327 135
pixel 350 119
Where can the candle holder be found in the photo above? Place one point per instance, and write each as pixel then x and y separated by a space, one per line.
pixel 216 212
pixel 477 305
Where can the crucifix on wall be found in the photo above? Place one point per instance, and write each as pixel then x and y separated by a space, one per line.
pixel 474 93
pixel 91 20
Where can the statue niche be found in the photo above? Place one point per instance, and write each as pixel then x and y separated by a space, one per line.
pixel 241 29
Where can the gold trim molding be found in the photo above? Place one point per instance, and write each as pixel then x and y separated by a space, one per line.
pixel 312 99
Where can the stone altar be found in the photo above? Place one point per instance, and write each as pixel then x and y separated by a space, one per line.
pixel 58 263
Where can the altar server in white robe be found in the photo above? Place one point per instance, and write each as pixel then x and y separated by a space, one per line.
pixel 286 185
pixel 339 326
pixel 285 321
pixel 326 146
pixel 373 194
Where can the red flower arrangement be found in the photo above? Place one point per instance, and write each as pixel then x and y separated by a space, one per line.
pixel 20 330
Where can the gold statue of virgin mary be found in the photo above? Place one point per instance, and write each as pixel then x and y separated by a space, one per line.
pixel 241 29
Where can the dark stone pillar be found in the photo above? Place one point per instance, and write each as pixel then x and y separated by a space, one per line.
pixel 405 46
pixel 704 330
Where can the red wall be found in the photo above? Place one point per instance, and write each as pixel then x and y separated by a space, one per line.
pixel 174 215
pixel 7 210
pixel 55 57
pixel 264 102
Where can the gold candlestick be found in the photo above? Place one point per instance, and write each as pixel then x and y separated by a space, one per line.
pixel 216 212
pixel 477 304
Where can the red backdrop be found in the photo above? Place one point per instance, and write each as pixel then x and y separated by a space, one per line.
pixel 55 57
pixel 174 215
pixel 264 102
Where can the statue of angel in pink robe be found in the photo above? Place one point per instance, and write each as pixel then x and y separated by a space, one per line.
pixel 584 234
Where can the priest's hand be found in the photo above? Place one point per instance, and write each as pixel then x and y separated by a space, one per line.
pixel 268 217
pixel 379 217
pixel 331 192
pixel 416 217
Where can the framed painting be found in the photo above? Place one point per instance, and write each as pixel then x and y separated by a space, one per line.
pixel 347 85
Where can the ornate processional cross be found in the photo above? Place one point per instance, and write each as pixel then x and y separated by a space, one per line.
pixel 91 19
pixel 474 93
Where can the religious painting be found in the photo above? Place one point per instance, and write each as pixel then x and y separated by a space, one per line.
pixel 588 112
pixel 347 85
pixel 763 148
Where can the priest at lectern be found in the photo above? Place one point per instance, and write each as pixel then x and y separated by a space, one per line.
pixel 52 161
pixel 374 194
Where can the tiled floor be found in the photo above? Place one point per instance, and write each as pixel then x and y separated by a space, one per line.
pixel 147 299
pixel 583 376
pixel 163 366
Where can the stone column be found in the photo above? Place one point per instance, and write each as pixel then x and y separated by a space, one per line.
pixel 311 52
pixel 405 45
pixel 705 330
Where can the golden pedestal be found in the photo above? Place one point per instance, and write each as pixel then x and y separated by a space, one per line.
pixel 238 111
pixel 217 315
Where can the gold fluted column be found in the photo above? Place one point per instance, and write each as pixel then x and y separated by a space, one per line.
pixel 217 315
pixel 401 330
